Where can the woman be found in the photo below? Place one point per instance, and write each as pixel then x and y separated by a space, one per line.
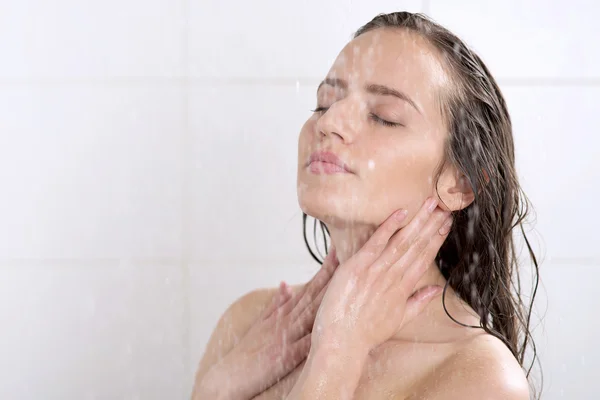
pixel 408 162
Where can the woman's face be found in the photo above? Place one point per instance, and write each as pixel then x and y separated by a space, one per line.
pixel 392 166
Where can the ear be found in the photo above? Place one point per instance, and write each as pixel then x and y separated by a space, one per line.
pixel 454 190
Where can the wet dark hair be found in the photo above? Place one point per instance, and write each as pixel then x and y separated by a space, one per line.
pixel 478 259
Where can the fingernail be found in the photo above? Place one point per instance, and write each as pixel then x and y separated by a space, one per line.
pixel 400 215
pixel 287 289
pixel 436 290
pixel 431 204
pixel 446 227
pixel 427 292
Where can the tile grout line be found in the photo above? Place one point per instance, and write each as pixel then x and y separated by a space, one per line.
pixel 185 208
pixel 187 81
pixel 66 262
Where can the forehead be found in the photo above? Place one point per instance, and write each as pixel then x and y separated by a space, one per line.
pixel 393 57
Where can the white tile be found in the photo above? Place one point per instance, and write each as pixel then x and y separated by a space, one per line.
pixel 567 337
pixel 539 39
pixel 556 144
pixel 90 172
pixel 271 38
pixel 243 183
pixel 82 39
pixel 92 331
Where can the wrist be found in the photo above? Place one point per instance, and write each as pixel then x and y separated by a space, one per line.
pixel 332 343
pixel 332 371
pixel 331 352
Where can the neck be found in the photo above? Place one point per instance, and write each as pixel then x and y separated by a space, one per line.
pixel 348 241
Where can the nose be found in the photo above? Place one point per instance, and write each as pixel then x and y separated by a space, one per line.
pixel 340 120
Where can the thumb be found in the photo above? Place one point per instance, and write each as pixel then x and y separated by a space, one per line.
pixel 419 300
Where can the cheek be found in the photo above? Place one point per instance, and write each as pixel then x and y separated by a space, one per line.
pixel 401 175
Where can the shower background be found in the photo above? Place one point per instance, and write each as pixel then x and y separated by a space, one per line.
pixel 148 168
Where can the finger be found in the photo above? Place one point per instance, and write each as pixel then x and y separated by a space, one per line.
pixel 401 242
pixel 380 238
pixel 284 292
pixel 306 319
pixel 420 220
pixel 421 240
pixel 313 287
pixel 303 291
pixel 283 358
pixel 422 255
pixel 294 354
pixel 419 300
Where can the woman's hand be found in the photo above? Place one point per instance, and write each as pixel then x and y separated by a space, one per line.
pixel 277 343
pixel 370 296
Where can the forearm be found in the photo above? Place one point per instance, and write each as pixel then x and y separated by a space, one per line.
pixel 330 373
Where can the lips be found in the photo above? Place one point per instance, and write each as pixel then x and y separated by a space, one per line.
pixel 328 157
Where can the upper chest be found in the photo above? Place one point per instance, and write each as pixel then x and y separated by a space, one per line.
pixel 394 371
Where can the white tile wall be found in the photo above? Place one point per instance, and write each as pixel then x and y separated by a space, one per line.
pixel 244 151
pixel 91 39
pixel 567 303
pixel 91 171
pixel 269 39
pixel 533 39
pixel 557 151
pixel 148 166
pixel 99 330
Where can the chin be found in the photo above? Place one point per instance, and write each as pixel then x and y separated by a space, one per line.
pixel 332 205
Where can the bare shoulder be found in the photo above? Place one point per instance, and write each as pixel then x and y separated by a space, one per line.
pixel 234 323
pixel 481 367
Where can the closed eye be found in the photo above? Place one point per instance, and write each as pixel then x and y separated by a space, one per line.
pixel 384 122
pixel 373 116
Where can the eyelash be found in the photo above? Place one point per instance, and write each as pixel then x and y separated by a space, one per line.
pixel 375 117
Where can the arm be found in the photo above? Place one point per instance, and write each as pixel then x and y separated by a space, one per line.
pixel 330 373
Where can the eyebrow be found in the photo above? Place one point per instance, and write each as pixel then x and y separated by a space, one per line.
pixel 373 89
